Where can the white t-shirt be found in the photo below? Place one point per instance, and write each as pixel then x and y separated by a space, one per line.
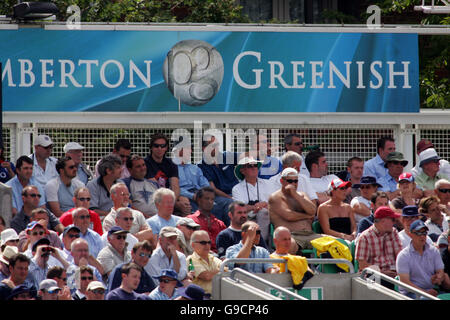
pixel 321 184
pixel 360 200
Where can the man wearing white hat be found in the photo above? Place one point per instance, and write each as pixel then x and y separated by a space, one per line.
pixel 74 150
pixel 9 237
pixel 429 162
pixel 254 192
pixel 43 164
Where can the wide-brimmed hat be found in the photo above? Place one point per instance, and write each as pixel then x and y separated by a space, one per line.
pixel 8 253
pixel 367 180
pixel 396 156
pixel 428 155
pixel 8 235
pixel 243 162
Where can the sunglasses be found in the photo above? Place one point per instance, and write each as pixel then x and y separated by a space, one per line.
pixel 98 291
pixel 38 233
pixel 251 166
pixel 54 291
pixel 72 236
pixel 167 280
pixel 34 195
pixel 397 162
pixel 157 145
pixel 144 255
pixel 86 278
pixel 444 190
pixel 128 218
pixel 203 243
pixel 292 180
pixel 343 188
pixel 48 147
pixel 84 217
pixel 418 233
pixel 120 237
pixel 84 199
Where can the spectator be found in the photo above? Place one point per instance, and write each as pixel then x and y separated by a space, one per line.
pixel 59 191
pixel 110 169
pixel 141 189
pixel 115 252
pixel 131 275
pixel 95 291
pixel 253 191
pixel 375 167
pixel 24 177
pixel 204 217
pixel 18 270
pixel 82 199
pixel 48 290
pixel 124 219
pixel 122 150
pixel 84 275
pixel 81 219
pixel 292 209
pixel 43 163
pixel 294 142
pixel 420 265
pixel 442 191
pixel 166 255
pixel 165 202
pixel 192 292
pixel 168 284
pixel 379 245
pixel 30 198
pixel 378 199
pixel 74 150
pixel 395 162
pixel 317 165
pixel 121 199
pixel 22 292
pixel 71 232
pixel 336 217
pixel 8 237
pixel 409 215
pixel 7 169
pixel 187 226
pixel 429 163
pixel 362 205
pixel 7 253
pixel 206 265
pixel 436 221
pixel 262 150
pixel 247 248
pixel 59 275
pixel 444 248
pixel 422 145
pixel 140 254
pixel 407 195
pixel 354 173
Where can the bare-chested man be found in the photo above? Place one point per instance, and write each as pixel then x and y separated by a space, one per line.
pixel 294 210
pixel 336 217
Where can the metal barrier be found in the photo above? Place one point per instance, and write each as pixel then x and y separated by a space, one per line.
pixel 379 275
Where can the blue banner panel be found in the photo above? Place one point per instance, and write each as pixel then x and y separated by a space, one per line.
pixel 151 71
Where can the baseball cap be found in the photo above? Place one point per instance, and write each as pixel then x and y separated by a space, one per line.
pixel 167 232
pixel 49 285
pixel 385 212
pixel 396 156
pixel 43 140
pixel 8 235
pixel 289 172
pixel 170 273
pixel 338 183
pixel 22 288
pixel 427 156
pixel 33 225
pixel 116 230
pixel 367 180
pixel 187 222
pixel 423 145
pixel 417 225
pixel 72 146
pixel 406 176
pixel 410 211
pixel 95 285
pixel 70 227
pixel 43 241
pixel 193 292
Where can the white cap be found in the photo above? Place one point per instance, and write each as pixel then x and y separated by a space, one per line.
pixel 72 146
pixel 289 172
pixel 95 285
pixel 7 235
pixel 43 140
pixel 49 285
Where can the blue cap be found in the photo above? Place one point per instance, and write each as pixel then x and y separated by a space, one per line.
pixel 116 230
pixel 170 273
pixel 417 225
pixel 367 180
pixel 22 288
pixel 410 211
pixel 193 292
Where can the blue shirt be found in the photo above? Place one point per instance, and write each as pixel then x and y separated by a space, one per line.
pixel 17 188
pixel 157 223
pixel 375 168
pixel 221 174
pixel 4 174
pixel 388 183
pixel 228 237
pixel 94 240
pixel 191 179
pixel 157 294
pixel 256 253
pixel 120 294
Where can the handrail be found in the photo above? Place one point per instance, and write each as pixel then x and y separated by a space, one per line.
pixel 263 281
pixel 265 260
pixel 396 282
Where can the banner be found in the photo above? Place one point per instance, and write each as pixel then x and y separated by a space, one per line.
pixel 202 71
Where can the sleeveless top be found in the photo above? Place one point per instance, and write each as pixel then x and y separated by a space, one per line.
pixel 341 224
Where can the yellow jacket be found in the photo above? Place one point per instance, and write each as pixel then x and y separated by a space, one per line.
pixel 296 265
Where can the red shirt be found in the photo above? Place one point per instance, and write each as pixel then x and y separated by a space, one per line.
pixel 213 226
pixel 96 223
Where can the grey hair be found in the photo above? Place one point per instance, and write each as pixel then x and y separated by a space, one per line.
pixel 77 210
pixel 121 210
pixel 78 241
pixel 117 185
pixel 108 162
pixel 289 158
pixel 197 233
pixel 161 192
pixel 440 182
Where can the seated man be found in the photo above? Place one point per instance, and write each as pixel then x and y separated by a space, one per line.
pixel 362 205
pixel 248 248
pixel 115 252
pixel 165 203
pixel 420 265
pixel 395 162
pixel 429 161
pixel 74 150
pixel 293 210
pixel 378 199
pixel 168 285
pixel 131 274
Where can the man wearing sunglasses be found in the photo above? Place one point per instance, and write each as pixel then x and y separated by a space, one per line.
pixel 362 205
pixel 44 165
pixel 82 219
pixel 395 163
pixel 74 150
pixel 442 191
pixel 409 215
pixel 429 162
pixel 420 265
pixel 293 209
pixel 294 142
pixel 124 219
pixel 115 252
pixel 60 190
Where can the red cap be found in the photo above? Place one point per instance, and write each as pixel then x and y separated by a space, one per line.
pixel 423 145
pixel 338 183
pixel 386 212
